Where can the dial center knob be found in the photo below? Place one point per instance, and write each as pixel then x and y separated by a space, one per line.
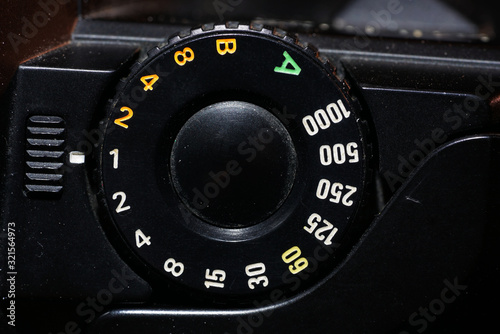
pixel 233 164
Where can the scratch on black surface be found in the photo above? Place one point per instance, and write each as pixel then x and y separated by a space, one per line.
pixel 41 253
pixel 413 200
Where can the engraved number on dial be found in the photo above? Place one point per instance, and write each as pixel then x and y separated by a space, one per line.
pixel 174 267
pixel 215 278
pixel 121 205
pixel 181 57
pixel 114 153
pixel 129 115
pixel 323 119
pixel 141 239
pixel 256 273
pixel 339 154
pixel 313 222
pixel 339 193
pixel 149 81
pixel 293 255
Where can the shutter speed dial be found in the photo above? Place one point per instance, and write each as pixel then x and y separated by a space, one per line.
pixel 232 157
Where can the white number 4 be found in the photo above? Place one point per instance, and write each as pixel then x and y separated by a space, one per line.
pixel 141 239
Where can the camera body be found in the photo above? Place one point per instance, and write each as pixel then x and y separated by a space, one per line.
pixel 422 253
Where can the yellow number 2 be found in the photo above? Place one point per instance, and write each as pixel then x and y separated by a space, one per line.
pixel 120 121
pixel 181 57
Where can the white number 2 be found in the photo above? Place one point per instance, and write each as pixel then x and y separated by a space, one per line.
pixel 123 197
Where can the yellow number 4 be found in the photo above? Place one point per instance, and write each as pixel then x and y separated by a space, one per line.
pixel 149 81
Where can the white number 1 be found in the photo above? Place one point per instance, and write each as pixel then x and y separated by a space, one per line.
pixel 114 153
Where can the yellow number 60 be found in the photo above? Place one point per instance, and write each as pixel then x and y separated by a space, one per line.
pixel 292 255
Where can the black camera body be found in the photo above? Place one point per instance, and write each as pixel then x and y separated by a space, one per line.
pixel 357 191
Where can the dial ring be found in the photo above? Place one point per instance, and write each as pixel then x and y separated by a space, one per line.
pixel 305 101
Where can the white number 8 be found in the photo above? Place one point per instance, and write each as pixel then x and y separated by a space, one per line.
pixel 173 267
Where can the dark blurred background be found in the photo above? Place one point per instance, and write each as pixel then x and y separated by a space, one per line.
pixel 29 28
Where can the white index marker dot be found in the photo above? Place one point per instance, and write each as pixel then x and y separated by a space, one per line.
pixel 76 157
